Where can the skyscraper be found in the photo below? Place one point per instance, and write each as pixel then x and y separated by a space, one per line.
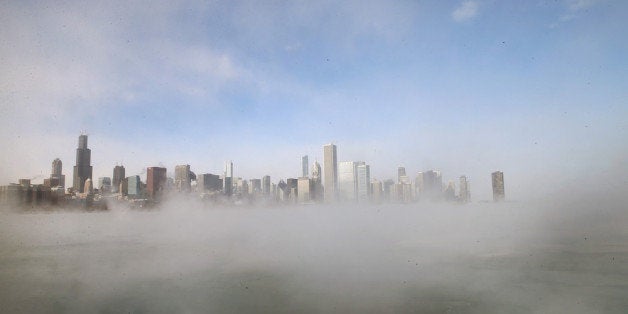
pixel 56 177
pixel 347 180
pixel 464 194
pixel 498 186
pixel 266 185
pixel 182 178
pixel 156 181
pixel 304 166
pixel 118 176
pixel 317 187
pixel 330 164
pixel 227 180
pixel 83 168
pixel 364 182
pixel 401 172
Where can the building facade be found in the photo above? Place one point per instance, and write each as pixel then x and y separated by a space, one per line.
pixel 330 165
pixel 83 168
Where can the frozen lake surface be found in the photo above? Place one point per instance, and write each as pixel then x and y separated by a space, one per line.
pixel 478 258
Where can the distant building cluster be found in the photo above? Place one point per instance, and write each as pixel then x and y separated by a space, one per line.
pixel 335 181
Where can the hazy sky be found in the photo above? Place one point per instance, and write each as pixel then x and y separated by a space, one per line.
pixel 537 89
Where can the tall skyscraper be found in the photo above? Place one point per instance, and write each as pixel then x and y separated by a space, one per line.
pixel 498 186
pixel 156 181
pixel 182 178
pixel 266 185
pixel 364 182
pixel 465 193
pixel 118 176
pixel 330 164
pixel 347 180
pixel 83 168
pixel 56 177
pixel 376 191
pixel 227 180
pixel 304 166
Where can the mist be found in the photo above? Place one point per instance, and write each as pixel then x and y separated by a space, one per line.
pixel 555 255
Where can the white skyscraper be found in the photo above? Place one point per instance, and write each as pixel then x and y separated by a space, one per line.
pixel 347 180
pixel 364 182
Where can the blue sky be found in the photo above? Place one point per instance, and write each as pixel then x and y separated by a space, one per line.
pixel 537 89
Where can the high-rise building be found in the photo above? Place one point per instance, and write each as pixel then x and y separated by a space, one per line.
pixel 208 182
pixel 498 186
pixel 83 168
pixel 429 184
pixel 304 186
pixel 376 191
pixel 330 164
pixel 304 166
pixel 293 188
pixel 266 185
pixel 347 180
pixel 182 178
pixel 401 172
pixel 363 182
pixel 118 176
pixel 227 180
pixel 317 187
pixel 465 193
pixel 156 182
pixel 56 177
pixel 104 185
pixel 255 188
pixel 134 186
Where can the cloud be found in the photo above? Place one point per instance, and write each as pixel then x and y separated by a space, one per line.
pixel 573 9
pixel 465 11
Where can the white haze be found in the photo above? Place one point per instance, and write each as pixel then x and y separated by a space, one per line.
pixel 566 254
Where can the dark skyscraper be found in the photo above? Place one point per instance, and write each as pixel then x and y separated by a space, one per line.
pixel 83 168
pixel 56 177
pixel 401 172
pixel 498 186
pixel 118 176
pixel 266 185
pixel 155 181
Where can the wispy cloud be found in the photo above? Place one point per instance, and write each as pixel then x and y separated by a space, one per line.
pixel 465 11
pixel 573 9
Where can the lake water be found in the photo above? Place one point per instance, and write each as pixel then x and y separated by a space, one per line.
pixel 184 258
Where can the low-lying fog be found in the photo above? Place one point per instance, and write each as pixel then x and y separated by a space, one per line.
pixel 545 257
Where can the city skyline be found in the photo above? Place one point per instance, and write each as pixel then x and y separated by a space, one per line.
pixel 200 83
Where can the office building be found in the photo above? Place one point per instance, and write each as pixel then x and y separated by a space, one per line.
pixel 304 166
pixel 182 178
pixel 156 182
pixel 208 182
pixel 498 186
pixel 118 175
pixel 228 178
pixel 465 192
pixel 104 185
pixel 255 187
pixel 330 165
pixel 134 187
pixel 376 191
pixel 304 186
pixel 317 186
pixel 266 185
pixel 347 180
pixel 363 182
pixel 83 168
pixel 401 172
pixel 57 178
